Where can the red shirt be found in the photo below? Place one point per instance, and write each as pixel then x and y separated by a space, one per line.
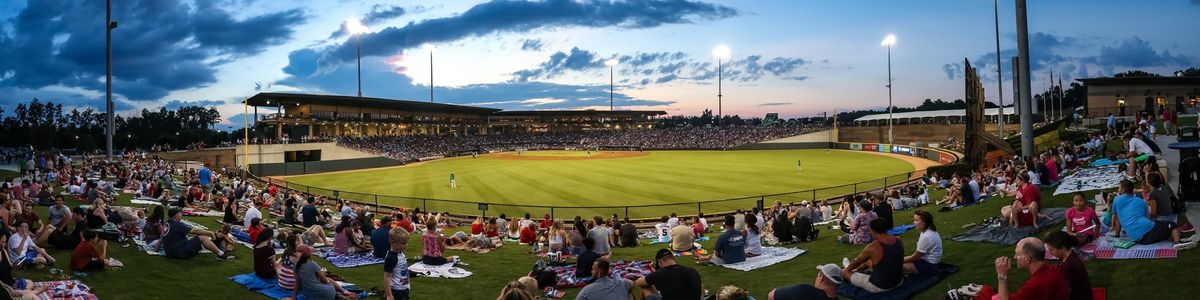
pixel 491 233
pixel 546 224
pixel 1047 283
pixel 528 236
pixel 1029 194
pixel 476 228
pixel 83 254
pixel 406 224
pixel 253 231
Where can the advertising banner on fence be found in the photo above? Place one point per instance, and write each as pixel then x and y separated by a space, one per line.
pixel 902 150
pixel 870 147
pixel 885 148
pixel 856 146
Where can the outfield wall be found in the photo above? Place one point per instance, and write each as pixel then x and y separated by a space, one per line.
pixel 274 153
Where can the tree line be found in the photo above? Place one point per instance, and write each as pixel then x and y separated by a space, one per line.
pixel 44 125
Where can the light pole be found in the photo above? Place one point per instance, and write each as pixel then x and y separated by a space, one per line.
pixel 999 67
pixel 110 129
pixel 888 42
pixel 611 63
pixel 357 28
pixel 431 49
pixel 721 52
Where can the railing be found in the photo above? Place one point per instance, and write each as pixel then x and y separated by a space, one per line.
pixel 832 195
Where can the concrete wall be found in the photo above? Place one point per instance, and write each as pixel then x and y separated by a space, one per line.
pixel 1104 99
pixel 215 158
pixel 263 154
pixel 821 136
pixel 908 134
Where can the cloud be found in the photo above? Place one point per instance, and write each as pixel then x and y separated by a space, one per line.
pixel 1049 54
pixel 173 104
pixel 524 16
pixel 378 14
pixel 542 101
pixel 160 46
pixel 1137 53
pixel 774 104
pixel 664 67
pixel 954 70
pixel 532 45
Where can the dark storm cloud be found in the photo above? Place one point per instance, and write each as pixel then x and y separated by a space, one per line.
pixel 559 62
pixel 532 45
pixel 525 16
pixel 1047 52
pixel 159 47
pixel 1137 53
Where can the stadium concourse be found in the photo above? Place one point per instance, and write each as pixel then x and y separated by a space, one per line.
pixel 85 228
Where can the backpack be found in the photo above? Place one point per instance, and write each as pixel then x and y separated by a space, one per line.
pixel 544 275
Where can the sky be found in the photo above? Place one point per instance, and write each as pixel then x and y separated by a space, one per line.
pixel 795 58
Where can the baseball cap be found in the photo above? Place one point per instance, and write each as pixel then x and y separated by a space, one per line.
pixel 664 252
pixel 832 272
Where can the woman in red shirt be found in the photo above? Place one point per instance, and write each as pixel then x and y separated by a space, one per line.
pixel 528 235
pixel 477 226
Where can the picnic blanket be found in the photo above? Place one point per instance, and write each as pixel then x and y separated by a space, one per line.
pixel 447 270
pixel 270 287
pixel 210 213
pixel 697 247
pixel 898 230
pixel 64 290
pixel 148 201
pixel 621 269
pixel 243 238
pixel 657 241
pixel 194 224
pixel 1005 234
pixel 770 256
pixel 347 260
pixel 1107 162
pixel 912 286
pixel 1090 179
pixel 1104 248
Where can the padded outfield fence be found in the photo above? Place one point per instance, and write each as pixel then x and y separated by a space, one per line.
pixel 833 194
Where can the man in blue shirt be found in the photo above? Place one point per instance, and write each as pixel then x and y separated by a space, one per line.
pixel 205 176
pixel 731 245
pixel 1132 219
pixel 379 237
pixel 309 214
pixel 177 244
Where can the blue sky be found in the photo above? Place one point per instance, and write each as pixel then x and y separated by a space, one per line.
pixel 797 58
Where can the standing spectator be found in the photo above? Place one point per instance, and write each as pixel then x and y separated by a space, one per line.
pixel 395 266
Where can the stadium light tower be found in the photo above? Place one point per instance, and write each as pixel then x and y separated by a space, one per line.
pixel 888 42
pixel 611 63
pixel 357 28
pixel 430 48
pixel 721 52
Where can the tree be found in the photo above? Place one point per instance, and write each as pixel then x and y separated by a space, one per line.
pixel 1193 71
pixel 1135 73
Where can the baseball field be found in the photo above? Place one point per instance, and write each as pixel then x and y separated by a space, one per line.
pixel 674 180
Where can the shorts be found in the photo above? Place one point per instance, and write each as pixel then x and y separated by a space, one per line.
pixel 1173 218
pixel 20 284
pixel 924 267
pixel 94 265
pixel 864 281
pixel 1160 232
pixel 27 259
pixel 189 249
pixel 400 294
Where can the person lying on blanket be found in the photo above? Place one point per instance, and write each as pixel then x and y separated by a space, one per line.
pixel 885 258
pixel 829 276
pixel 21 288
pixel 1046 280
pixel 311 280
pixel 474 243
pixel 929 246
pixel 1062 245
pixel 179 246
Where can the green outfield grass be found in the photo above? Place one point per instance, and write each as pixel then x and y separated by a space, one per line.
pixel 661 177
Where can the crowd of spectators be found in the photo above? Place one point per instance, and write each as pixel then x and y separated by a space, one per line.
pixel 414 147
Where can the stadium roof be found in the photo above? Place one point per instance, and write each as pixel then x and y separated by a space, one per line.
pixel 274 99
pixel 1141 80
pixel 934 114
pixel 590 112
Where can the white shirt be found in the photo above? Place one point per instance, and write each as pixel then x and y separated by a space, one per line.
pixel 663 230
pixel 251 213
pixel 930 244
pixel 1140 147
pixel 673 222
pixel 16 249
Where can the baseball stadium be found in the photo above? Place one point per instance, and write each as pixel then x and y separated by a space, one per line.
pixel 519 178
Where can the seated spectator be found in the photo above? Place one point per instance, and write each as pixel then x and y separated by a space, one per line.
pixel 1131 218
pixel 477 226
pixel 781 228
pixel 312 282
pixel 58 214
pixel 252 212
pixel 264 253
pixel 670 280
pixel 528 235
pixel 731 245
pixel 286 264
pixel 556 238
pixel 699 226
pixel 514 231
pixel 1082 223
pixel 860 232
pixel 91 254
pixel 432 245
pixel 395 266
pixel 929 246
pixel 829 276
pixel 23 248
pixel 605 286
pixel 22 288
pixel 179 246
pixel 583 263
pixel 602 234
pixel 629 234
pixel 753 236
pixel 379 237
pixel 1062 245
pixel 576 236
pixel 882 209
pixel 1046 280
pixel 516 290
pixel 1024 210
pixel 730 292
pixel 255 227
pixel 69 236
pixel 663 229
pixel 682 238
pixel 884 256
pixel 546 222
pixel 347 240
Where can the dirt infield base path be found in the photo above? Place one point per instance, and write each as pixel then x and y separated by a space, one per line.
pixel 576 155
